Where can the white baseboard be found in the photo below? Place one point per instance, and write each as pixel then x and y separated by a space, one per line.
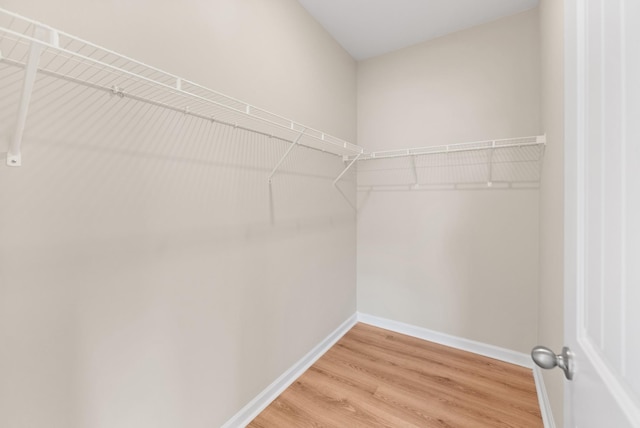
pixel 490 351
pixel 258 404
pixel 270 393
pixel 543 399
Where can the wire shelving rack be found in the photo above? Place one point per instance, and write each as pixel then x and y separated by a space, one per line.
pixel 513 162
pixel 35 49
pixel 38 48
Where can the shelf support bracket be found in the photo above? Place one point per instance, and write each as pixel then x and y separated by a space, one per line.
pixel 286 154
pixel 35 50
pixel 489 178
pixel 415 173
pixel 542 141
pixel 346 169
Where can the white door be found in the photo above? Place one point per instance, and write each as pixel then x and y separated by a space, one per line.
pixel 602 219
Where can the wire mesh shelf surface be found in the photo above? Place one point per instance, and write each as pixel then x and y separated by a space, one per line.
pixel 514 162
pixel 29 48
pixel 74 60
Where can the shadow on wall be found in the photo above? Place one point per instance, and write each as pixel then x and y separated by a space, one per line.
pixel 147 248
pixel 104 137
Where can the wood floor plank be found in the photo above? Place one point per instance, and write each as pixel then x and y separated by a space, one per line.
pixel 436 391
pixel 377 378
pixel 404 372
pixel 365 401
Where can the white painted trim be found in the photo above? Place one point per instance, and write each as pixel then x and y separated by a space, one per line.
pixel 270 393
pixel 543 398
pixel 480 348
pixel 490 351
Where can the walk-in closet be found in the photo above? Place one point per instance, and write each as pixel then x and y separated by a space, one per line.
pixel 254 213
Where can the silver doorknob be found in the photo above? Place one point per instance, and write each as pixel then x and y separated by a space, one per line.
pixel 547 359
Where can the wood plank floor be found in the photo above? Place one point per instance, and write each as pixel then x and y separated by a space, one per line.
pixel 376 378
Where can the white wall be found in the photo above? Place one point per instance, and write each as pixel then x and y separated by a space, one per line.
pixel 462 262
pixel 149 276
pixel 551 318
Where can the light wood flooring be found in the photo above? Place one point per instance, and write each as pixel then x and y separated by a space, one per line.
pixel 376 378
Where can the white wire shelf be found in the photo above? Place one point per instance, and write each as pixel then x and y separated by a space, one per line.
pixel 536 141
pixel 40 49
pixel 513 162
pixel 36 51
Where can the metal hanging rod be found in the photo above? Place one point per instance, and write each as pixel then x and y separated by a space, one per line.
pixel 41 49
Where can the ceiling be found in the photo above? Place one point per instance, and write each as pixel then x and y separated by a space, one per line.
pixel 367 28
